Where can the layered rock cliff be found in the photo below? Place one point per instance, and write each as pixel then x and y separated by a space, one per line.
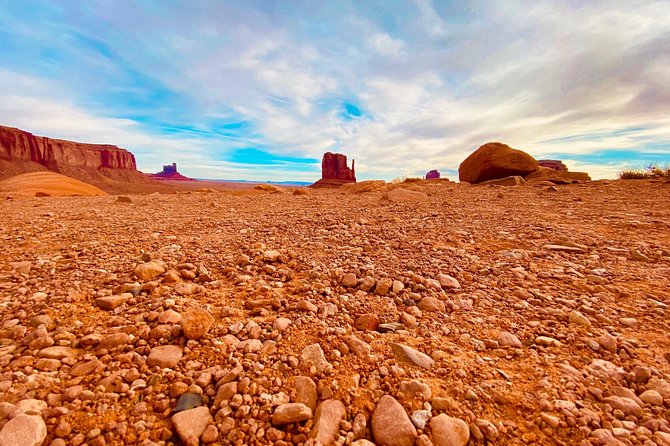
pixel 335 171
pixel 20 145
pixel 21 151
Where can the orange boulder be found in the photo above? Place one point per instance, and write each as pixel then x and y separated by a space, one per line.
pixel 493 161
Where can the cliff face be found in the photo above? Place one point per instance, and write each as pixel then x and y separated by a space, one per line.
pixel 59 155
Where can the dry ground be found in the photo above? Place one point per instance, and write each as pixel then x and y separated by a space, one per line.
pixel 592 324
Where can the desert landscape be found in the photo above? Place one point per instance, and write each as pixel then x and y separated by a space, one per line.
pixel 334 223
pixel 522 309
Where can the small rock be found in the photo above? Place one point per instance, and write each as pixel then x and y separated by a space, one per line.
pixel 431 304
pixel 576 317
pixel 652 397
pixel 291 413
pixel 23 430
pixel 149 271
pixel 196 322
pixel 304 391
pixel 190 424
pixel 507 339
pixel 349 280
pixel 383 286
pixel 165 356
pixel 112 302
pixel 313 356
pixel 410 356
pixel 367 322
pixel 626 405
pixel 390 424
pixel 327 419
pixel 448 282
pixel 608 342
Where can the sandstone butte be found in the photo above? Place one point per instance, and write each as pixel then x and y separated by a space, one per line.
pixel 170 172
pixel 23 152
pixel 335 172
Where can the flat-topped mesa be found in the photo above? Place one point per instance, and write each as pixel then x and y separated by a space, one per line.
pixel 58 154
pixel 335 171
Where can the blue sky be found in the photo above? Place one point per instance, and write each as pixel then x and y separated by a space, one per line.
pixel 260 89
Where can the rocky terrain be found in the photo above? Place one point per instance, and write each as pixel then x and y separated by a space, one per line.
pixel 417 314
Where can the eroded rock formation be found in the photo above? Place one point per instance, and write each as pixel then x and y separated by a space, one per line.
pixel 553 164
pixel 493 161
pixel 335 171
pixel 170 172
pixel 21 152
pixel 433 175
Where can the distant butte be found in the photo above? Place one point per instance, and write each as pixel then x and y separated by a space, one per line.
pixel 170 172
pixel 335 172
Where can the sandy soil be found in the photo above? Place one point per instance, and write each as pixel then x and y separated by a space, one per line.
pixel 543 313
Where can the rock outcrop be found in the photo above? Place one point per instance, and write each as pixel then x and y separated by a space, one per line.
pixel 553 164
pixel 499 164
pixel 433 175
pixel 23 152
pixel 56 154
pixel 335 172
pixel 493 161
pixel 170 172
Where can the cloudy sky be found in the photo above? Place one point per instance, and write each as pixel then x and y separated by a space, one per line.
pixel 260 89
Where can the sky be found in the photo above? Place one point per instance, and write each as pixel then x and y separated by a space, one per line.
pixel 259 90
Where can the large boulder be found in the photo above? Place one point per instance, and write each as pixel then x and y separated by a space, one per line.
pixel 493 161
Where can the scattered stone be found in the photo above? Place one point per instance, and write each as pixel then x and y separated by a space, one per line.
pixel 165 356
pixel 448 431
pixel 410 356
pixel 327 419
pixel 313 356
pixel 390 424
pixel 23 430
pixel 190 424
pixel 112 302
pixel 291 413
pixel 149 271
pixel 196 322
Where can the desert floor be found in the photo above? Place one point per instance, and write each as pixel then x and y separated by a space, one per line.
pixel 543 313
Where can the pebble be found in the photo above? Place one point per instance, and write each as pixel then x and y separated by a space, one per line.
pixel 390 424
pixel 507 339
pixel 326 425
pixel 190 424
pixel 410 356
pixel 313 356
pixel 448 282
pixel 448 431
pixel 165 356
pixel 196 322
pixel 291 413
pixel 23 430
pixel 112 302
pixel 149 271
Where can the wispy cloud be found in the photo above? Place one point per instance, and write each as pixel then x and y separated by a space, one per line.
pixel 430 81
